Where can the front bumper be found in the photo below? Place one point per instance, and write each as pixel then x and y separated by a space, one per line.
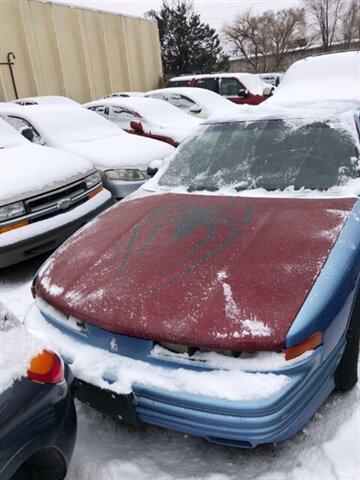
pixel 44 235
pixel 121 188
pixel 243 423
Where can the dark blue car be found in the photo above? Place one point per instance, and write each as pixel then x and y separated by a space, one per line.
pixel 37 414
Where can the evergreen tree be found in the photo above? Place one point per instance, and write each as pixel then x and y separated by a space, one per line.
pixel 188 46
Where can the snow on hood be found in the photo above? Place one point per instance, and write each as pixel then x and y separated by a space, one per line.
pixel 17 349
pixel 121 151
pixel 333 78
pixel 213 102
pixel 48 166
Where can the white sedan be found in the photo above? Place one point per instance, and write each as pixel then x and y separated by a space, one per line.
pixel 147 117
pixel 199 102
pixel 122 158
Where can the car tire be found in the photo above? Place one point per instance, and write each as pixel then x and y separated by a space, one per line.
pixel 346 374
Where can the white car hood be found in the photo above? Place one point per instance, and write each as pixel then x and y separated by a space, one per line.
pixel 28 168
pixel 121 151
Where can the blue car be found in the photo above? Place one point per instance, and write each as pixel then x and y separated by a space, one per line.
pixel 38 419
pixel 223 299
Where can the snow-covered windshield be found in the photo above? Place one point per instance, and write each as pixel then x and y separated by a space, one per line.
pixel 268 154
pixel 9 137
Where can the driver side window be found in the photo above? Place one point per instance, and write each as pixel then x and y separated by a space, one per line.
pixel 21 124
pixel 229 87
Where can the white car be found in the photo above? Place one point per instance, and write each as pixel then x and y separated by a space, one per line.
pixel 147 117
pixel 121 157
pixel 199 102
pixel 45 196
pixel 46 100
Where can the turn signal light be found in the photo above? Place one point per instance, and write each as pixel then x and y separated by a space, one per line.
pixel 13 226
pixel 47 367
pixel 95 192
pixel 309 344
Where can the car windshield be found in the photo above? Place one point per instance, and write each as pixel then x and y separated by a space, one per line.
pixel 9 137
pixel 269 154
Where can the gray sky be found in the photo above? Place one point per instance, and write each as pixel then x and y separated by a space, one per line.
pixel 214 12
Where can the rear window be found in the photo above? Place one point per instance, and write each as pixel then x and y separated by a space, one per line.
pixel 178 83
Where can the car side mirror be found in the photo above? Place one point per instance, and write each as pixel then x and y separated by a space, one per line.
pixel 243 92
pixel 268 91
pixel 195 109
pixel 153 167
pixel 27 133
pixel 137 127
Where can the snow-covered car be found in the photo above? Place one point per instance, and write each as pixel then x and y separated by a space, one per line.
pixel 45 100
pixel 242 88
pixel 121 157
pixel 38 418
pixel 124 94
pixel 198 102
pixel 226 303
pixel 45 196
pixel 148 117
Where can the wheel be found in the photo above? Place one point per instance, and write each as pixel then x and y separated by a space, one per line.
pixel 346 374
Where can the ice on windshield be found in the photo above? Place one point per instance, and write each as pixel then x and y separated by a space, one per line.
pixel 271 155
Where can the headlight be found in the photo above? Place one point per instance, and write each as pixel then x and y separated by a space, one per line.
pixel 93 179
pixel 13 210
pixel 127 174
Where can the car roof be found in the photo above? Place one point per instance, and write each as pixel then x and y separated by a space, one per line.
pixel 47 100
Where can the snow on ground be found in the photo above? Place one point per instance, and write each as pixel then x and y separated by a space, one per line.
pixel 327 448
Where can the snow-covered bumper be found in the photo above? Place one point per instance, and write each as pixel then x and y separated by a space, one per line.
pixel 243 406
pixel 44 235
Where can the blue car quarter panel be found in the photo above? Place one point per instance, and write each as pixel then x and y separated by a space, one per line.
pixel 329 304
pixel 36 417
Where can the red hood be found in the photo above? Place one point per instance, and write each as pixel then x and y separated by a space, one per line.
pixel 206 271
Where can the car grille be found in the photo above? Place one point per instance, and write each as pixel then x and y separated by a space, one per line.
pixel 56 201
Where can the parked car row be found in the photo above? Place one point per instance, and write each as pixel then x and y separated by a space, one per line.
pixel 227 286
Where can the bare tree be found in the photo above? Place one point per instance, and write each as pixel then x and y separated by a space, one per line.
pixel 265 39
pixel 326 16
pixel 350 24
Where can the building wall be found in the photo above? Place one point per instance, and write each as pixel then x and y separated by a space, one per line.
pixel 242 65
pixel 81 53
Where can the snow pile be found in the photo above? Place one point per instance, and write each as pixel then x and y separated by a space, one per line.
pixel 50 168
pixel 17 348
pixel 334 78
pixel 235 384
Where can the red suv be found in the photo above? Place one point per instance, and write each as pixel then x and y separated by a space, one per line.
pixel 238 87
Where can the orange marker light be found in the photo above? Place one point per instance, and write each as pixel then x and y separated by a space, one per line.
pixel 309 344
pixel 95 192
pixel 13 226
pixel 46 367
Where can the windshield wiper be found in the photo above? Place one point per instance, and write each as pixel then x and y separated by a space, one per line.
pixel 197 188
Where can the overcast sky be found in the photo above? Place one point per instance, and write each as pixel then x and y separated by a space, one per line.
pixel 214 12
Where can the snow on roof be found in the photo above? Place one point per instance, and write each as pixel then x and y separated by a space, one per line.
pixel 157 111
pixel 47 100
pixel 333 77
pixel 63 124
